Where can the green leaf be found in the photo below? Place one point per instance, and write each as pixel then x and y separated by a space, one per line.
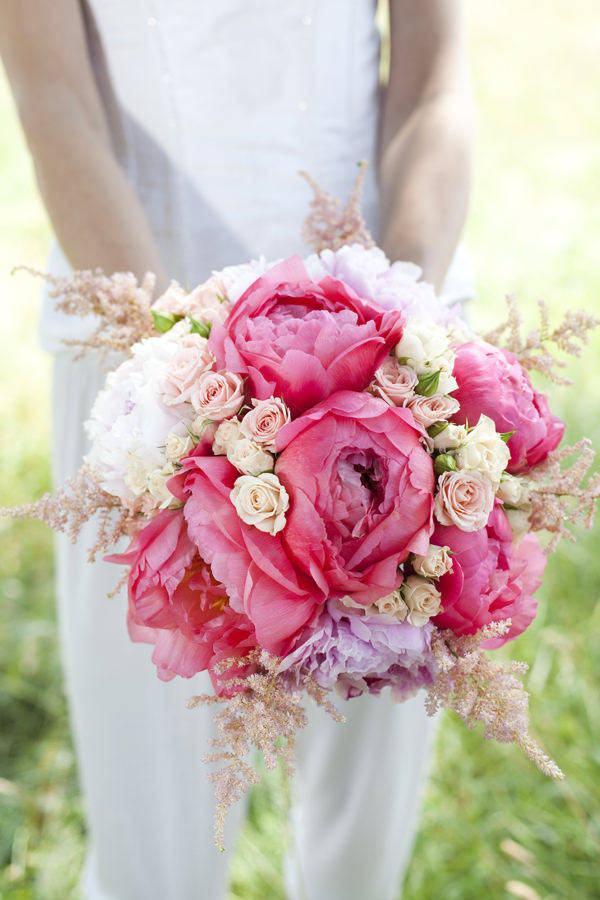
pixel 427 385
pixel 506 435
pixel 444 463
pixel 436 429
pixel 164 321
pixel 200 328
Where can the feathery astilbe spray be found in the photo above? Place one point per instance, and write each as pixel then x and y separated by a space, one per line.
pixel 73 505
pixel 557 497
pixel 328 226
pixel 119 302
pixel 532 350
pixel 481 691
pixel 266 712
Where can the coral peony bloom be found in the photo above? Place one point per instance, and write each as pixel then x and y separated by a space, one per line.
pixel 491 579
pixel 176 604
pixel 492 382
pixel 361 494
pixel 259 578
pixel 303 339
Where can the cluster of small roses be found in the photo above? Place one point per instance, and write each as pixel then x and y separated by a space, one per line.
pixel 314 485
pixel 482 495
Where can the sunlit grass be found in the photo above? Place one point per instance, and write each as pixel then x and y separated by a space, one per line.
pixel 490 818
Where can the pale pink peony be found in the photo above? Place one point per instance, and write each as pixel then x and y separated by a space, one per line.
pixel 361 494
pixel 491 579
pixel 394 383
pixel 217 395
pixel 260 579
pixel 176 604
pixel 263 423
pixel 191 360
pixel 302 339
pixel 464 499
pixel 492 382
pixel 428 410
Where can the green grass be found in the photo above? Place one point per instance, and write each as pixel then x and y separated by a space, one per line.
pixel 491 821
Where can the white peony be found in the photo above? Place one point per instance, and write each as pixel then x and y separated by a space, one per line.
pixel 130 422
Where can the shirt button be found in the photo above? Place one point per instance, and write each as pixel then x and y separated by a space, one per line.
pixel 303 106
pixel 307 20
pixel 151 21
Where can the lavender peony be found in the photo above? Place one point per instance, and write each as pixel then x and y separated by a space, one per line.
pixel 360 653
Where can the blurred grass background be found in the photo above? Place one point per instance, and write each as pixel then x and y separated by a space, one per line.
pixel 492 825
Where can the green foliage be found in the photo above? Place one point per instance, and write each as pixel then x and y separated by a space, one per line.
pixel 490 819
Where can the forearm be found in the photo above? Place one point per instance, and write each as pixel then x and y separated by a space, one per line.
pixel 425 173
pixel 95 213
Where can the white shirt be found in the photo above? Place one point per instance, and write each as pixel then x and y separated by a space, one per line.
pixel 214 107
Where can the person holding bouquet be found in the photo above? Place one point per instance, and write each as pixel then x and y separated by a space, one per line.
pixel 167 137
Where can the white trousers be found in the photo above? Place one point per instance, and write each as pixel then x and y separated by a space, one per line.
pixel 148 802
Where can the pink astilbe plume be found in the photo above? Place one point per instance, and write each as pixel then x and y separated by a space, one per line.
pixel 119 302
pixel 260 714
pixel 328 226
pixel 73 505
pixel 481 691
pixel 532 350
pixel 557 497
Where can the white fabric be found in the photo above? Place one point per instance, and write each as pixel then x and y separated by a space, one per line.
pixel 148 801
pixel 214 107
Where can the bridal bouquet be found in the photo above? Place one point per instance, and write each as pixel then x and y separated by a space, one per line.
pixel 328 484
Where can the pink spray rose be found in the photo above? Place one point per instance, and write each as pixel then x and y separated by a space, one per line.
pixel 260 580
pixel 191 360
pixel 176 604
pixel 464 499
pixel 217 395
pixel 394 383
pixel 361 494
pixel 491 579
pixel 428 410
pixel 303 339
pixel 493 382
pixel 263 422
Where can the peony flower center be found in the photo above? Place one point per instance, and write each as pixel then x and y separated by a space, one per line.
pixel 361 483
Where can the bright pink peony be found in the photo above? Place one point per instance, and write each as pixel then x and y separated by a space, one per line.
pixel 177 605
pixel 493 382
pixel 491 579
pixel 260 580
pixel 361 494
pixel 304 340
